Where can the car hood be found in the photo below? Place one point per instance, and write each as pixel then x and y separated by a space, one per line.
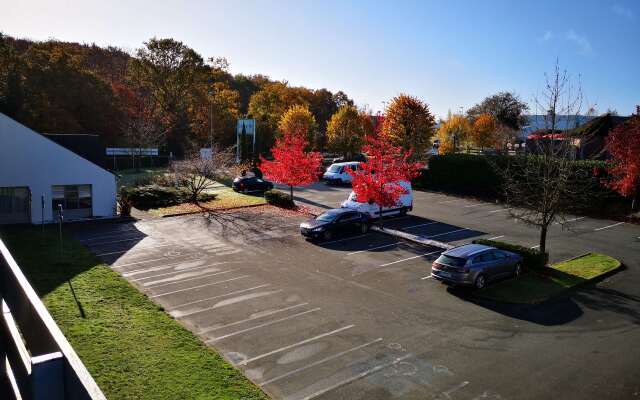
pixel 311 224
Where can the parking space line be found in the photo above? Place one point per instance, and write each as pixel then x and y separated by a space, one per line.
pixel 88 239
pixel 313 364
pixel 266 314
pixel 120 241
pixel 275 321
pixel 233 300
pixel 152 260
pixel 410 258
pixel 342 240
pixel 450 201
pixel 198 287
pixel 496 237
pixel 425 277
pixel 168 273
pixel 152 286
pixel 446 233
pixel 291 346
pixel 500 210
pixel 356 377
pixel 534 247
pixel 608 226
pixel 474 205
pixel 222 295
pixel 169 266
pixel 567 221
pixel 372 248
pixel 419 225
pixel 134 248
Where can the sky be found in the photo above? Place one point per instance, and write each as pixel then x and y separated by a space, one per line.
pixel 451 54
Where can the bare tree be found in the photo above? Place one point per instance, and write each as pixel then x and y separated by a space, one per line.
pixel 561 96
pixel 198 174
pixel 541 189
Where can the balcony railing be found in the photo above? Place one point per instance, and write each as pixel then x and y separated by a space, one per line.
pixel 36 360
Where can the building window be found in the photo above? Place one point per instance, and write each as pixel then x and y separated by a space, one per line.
pixel 71 197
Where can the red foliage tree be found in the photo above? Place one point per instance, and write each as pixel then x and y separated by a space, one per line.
pixel 378 179
pixel 292 165
pixel 623 143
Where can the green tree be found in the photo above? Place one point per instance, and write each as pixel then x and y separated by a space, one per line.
pixel 505 107
pixel 346 131
pixel 408 123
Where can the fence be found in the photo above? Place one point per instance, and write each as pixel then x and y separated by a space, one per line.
pixel 36 360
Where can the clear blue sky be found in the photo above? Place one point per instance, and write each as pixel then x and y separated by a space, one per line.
pixel 449 53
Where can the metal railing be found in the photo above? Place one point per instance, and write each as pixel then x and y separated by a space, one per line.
pixel 36 360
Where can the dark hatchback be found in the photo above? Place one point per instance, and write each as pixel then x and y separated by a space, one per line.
pixel 250 184
pixel 335 222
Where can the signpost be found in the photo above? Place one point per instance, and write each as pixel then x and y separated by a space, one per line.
pixel 245 134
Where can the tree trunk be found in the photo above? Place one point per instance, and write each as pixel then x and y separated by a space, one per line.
pixel 543 239
pixel 291 192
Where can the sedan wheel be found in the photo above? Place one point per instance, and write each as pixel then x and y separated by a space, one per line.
pixel 481 282
pixel 327 235
pixel 364 228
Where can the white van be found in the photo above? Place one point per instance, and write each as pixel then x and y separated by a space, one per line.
pixel 405 204
pixel 337 172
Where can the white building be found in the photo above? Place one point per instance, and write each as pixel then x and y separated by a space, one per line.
pixel 37 176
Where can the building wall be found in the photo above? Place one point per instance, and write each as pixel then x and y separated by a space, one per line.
pixel 29 159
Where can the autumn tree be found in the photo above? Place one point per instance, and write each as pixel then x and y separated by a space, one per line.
pixel 378 179
pixel 454 131
pixel 505 107
pixel 197 174
pixel 623 143
pixel 484 131
pixel 408 123
pixel 299 119
pixel 347 130
pixel 292 165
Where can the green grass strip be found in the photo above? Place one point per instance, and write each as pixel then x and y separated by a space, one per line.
pixel 133 349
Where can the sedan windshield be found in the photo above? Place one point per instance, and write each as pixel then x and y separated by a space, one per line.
pixel 326 217
pixel 451 261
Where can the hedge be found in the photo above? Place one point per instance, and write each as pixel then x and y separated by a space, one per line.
pixel 278 198
pixel 155 196
pixel 531 258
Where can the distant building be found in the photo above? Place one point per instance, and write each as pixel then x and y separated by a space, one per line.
pixel 539 122
pixel 38 175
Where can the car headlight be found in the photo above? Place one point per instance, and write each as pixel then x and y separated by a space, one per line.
pixel 318 229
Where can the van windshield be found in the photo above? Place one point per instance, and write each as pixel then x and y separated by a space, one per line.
pixel 334 168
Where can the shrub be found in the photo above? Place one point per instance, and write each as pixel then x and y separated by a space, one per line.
pixel 155 196
pixel 124 203
pixel 278 198
pixel 531 258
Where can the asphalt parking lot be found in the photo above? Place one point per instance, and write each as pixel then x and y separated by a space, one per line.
pixel 360 318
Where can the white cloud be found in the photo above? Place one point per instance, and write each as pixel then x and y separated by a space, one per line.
pixel 623 11
pixel 547 36
pixel 584 46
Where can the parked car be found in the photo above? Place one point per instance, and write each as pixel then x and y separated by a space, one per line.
pixel 337 172
pixel 475 265
pixel 334 222
pixel 405 204
pixel 251 184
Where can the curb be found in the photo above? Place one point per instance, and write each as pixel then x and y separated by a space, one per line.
pixel 413 238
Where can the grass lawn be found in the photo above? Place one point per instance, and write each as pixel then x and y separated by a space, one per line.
pixel 129 177
pixel 133 349
pixel 225 198
pixel 535 287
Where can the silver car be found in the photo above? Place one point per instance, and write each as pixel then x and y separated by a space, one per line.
pixel 475 265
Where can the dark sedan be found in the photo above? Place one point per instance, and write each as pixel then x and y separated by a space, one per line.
pixel 250 184
pixel 334 222
pixel 475 265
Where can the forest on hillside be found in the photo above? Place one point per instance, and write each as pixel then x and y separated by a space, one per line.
pixel 165 93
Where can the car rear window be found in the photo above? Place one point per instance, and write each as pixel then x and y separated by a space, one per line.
pixel 451 261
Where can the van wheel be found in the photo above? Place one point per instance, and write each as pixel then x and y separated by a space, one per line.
pixel 481 282
pixel 403 211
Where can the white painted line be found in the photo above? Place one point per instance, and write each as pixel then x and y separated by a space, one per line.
pixel 281 349
pixel 449 201
pixel 253 317
pixel 177 266
pixel 608 226
pixel 569 220
pixel 119 241
pixel 313 364
pixel 133 249
pixel 275 321
pixel 455 388
pixel 534 247
pixel 223 303
pixel 446 233
pixel 426 277
pixel 198 287
pixel 372 248
pixel 155 259
pixel 410 258
pixel 222 295
pixel 500 210
pixel 475 205
pixel 152 286
pixel 179 271
pixel 419 225
pixel 342 240
pixel 88 239
pixel 496 237
pixel 356 377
